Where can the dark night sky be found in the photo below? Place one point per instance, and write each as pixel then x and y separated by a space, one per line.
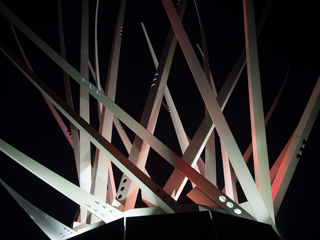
pixel 290 38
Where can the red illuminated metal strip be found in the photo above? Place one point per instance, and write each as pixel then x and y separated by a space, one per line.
pixel 230 187
pixel 253 196
pixel 74 131
pixel 258 132
pixel 292 155
pixel 275 167
pixel 236 71
pixel 52 109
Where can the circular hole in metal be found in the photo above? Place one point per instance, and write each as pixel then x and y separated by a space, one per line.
pixel 124 180
pixel 122 188
pixel 119 196
pixel 99 92
pixel 299 155
pixel 237 211
pixel 304 141
pixel 92 87
pixel 229 204
pixel 222 198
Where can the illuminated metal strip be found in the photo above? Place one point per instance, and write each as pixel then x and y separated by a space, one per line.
pixel 256 202
pixel 292 155
pixel 102 163
pixel 158 146
pixel 50 226
pixel 210 150
pixel 84 109
pixel 140 150
pixel 258 131
pixel 74 131
pixel 205 52
pixel 124 137
pixel 104 211
pixel 236 71
pixel 230 188
pixel 96 55
pixel 248 152
pixel 52 109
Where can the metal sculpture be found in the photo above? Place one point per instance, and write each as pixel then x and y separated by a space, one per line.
pixel 104 197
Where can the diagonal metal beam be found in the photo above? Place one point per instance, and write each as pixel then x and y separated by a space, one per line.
pixel 295 148
pixel 50 226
